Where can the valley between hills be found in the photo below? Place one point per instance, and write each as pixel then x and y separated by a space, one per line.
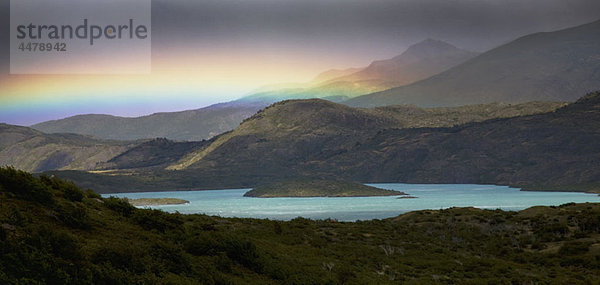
pixel 540 137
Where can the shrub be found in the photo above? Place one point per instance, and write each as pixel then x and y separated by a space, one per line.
pixel 243 252
pixel 169 257
pixel 91 194
pixel 119 205
pixel 15 217
pixel 72 193
pixel 69 190
pixel 574 248
pixel 119 256
pixel 24 186
pixel 203 244
pixel 64 245
pixel 74 216
pixel 240 250
pixel 157 220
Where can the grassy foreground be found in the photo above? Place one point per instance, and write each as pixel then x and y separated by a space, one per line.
pixel 51 232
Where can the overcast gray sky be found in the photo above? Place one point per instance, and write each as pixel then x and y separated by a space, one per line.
pixel 360 29
pixel 379 26
pixel 206 52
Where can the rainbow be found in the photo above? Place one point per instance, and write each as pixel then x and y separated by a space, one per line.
pixel 185 79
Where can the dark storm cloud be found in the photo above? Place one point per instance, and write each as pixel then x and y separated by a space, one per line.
pixel 474 24
pixel 366 29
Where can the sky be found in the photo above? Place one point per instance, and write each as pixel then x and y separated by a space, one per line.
pixel 206 52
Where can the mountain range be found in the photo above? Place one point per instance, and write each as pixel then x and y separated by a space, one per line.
pixel 550 150
pixel 191 125
pixel 553 150
pixel 417 62
pixel 536 145
pixel 32 150
pixel 552 66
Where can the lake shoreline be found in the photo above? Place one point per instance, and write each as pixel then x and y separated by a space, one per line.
pixel 571 188
pixel 232 203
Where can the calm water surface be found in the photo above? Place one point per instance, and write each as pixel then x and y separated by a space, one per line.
pixel 232 203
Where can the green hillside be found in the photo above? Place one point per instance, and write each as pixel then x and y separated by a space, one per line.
pixel 53 233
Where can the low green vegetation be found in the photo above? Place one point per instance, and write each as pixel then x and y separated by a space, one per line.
pixel 156 201
pixel 306 187
pixel 52 232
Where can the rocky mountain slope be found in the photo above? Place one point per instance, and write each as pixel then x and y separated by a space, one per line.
pixel 317 138
pixel 553 66
pixel 32 150
pixel 553 150
pixel 419 61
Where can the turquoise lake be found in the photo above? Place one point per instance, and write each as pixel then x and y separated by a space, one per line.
pixel 232 203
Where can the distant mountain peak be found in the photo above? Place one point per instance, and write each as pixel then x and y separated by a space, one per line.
pixel 428 48
pixel 429 42
pixel 419 61
pixel 549 66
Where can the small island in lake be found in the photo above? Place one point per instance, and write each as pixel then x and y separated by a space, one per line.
pixel 156 201
pixel 407 197
pixel 318 188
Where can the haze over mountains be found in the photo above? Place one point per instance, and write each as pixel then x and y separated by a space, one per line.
pixel 554 66
pixel 421 60
pixel 191 125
